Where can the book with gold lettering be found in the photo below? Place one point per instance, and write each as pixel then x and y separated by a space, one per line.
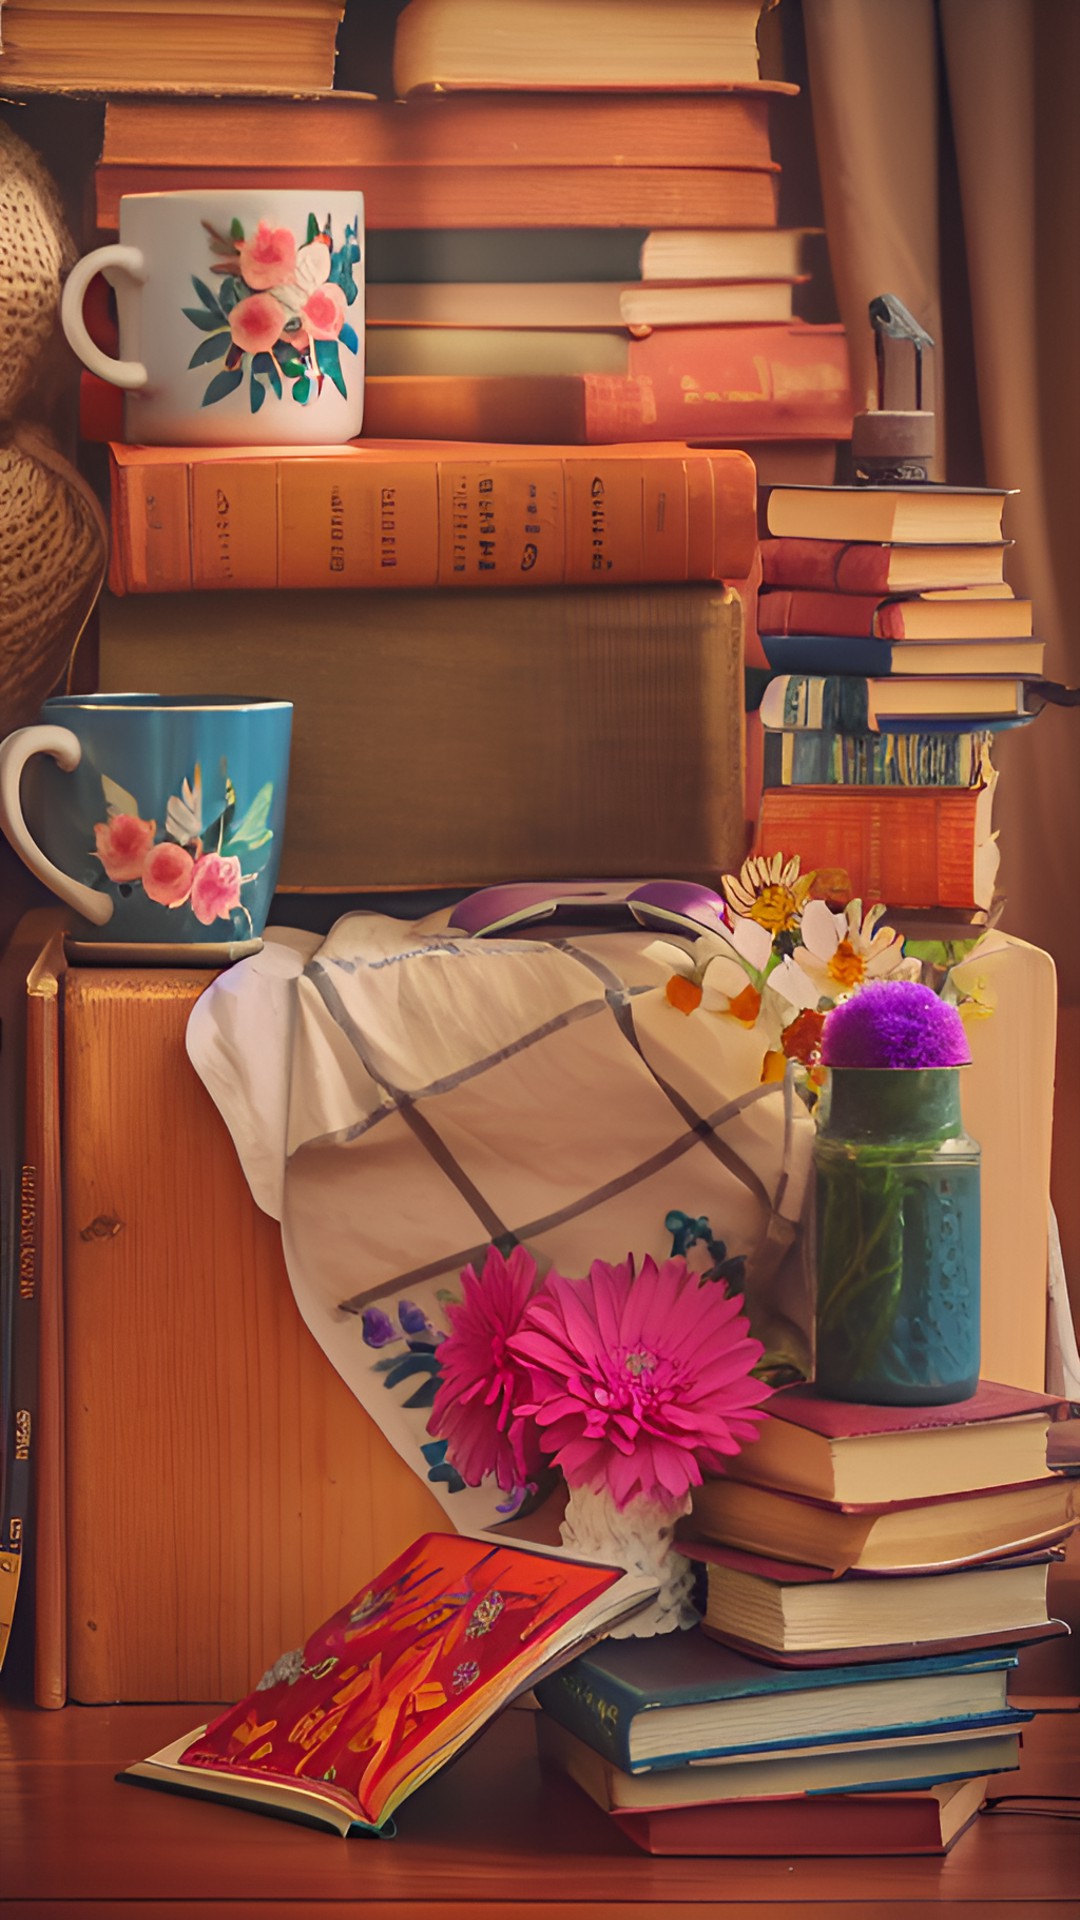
pixel 428 515
pixel 394 1684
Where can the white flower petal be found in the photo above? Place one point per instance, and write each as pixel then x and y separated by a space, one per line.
pixel 821 929
pixel 795 984
pixel 724 976
pixel 752 942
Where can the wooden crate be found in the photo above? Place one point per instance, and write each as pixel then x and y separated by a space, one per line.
pixel 225 1491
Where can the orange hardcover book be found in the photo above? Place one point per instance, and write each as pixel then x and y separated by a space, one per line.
pixel 908 847
pixel 469 196
pixel 395 1683
pixel 724 129
pixel 733 384
pixel 412 515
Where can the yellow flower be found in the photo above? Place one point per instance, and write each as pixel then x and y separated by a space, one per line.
pixel 770 890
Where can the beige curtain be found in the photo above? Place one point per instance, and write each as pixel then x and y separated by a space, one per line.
pixel 948 139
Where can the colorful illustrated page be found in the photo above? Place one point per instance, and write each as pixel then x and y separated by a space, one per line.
pixel 404 1671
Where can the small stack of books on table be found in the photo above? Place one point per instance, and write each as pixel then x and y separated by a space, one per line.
pixel 870 1575
pixel 897 651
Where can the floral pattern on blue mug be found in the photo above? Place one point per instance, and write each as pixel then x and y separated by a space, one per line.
pixel 195 864
pixel 279 312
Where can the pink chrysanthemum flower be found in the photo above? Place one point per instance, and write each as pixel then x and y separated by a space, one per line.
pixel 475 1407
pixel 638 1383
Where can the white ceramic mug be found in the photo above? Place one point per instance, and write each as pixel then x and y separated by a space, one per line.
pixel 241 316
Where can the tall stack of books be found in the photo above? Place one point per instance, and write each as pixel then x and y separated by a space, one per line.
pixel 870 1575
pixel 573 268
pixel 571 218
pixel 897 651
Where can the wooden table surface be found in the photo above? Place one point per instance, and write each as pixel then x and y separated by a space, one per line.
pixel 492 1835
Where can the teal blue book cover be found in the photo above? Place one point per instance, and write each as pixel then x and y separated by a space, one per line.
pixel 678 1697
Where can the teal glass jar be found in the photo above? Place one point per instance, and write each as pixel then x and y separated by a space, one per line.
pixel 896 1238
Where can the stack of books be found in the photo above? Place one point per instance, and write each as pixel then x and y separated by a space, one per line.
pixel 896 650
pixel 870 1575
pixel 571 218
pixel 56 45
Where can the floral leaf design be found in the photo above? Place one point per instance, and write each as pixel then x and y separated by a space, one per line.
pixel 222 384
pixel 313 229
pixel 301 389
pixel 265 364
pixel 348 337
pixel 257 392
pixel 199 317
pixel 215 348
pixel 183 814
pixel 208 298
pixel 252 830
pixel 328 361
pixel 118 799
pixel 236 230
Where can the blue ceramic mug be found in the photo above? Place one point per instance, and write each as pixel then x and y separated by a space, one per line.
pixel 158 817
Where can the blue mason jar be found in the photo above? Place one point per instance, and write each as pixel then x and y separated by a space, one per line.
pixel 896 1238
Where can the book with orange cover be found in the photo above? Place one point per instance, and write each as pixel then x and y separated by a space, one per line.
pixel 395 1683
pixel 906 846
pixel 519 130
pixel 468 196
pixel 414 515
pixel 770 382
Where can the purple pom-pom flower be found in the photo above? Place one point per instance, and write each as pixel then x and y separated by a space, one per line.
pixel 894 1023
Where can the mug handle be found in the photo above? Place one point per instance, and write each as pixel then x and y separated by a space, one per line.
pixel 130 374
pixel 66 750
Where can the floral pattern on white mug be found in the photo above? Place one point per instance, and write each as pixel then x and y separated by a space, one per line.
pixel 279 313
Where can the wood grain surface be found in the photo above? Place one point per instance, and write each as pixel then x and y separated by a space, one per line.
pixel 226 1492
pixel 492 1833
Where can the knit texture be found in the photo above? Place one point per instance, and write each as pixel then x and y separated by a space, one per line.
pixel 53 544
pixel 36 253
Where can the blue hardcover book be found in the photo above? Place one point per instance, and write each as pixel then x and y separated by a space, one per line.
pixel 817 757
pixel 681 1697
pixel 828 653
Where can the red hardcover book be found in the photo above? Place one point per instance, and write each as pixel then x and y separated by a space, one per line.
pixel 825 1825
pixel 844 1451
pixel 966 616
pixel 864 567
pixel 906 846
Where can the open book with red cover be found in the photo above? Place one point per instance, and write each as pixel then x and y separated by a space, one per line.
pixel 395 1683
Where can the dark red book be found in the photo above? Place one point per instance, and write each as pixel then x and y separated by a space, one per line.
pixel 848 1825
pixel 866 567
